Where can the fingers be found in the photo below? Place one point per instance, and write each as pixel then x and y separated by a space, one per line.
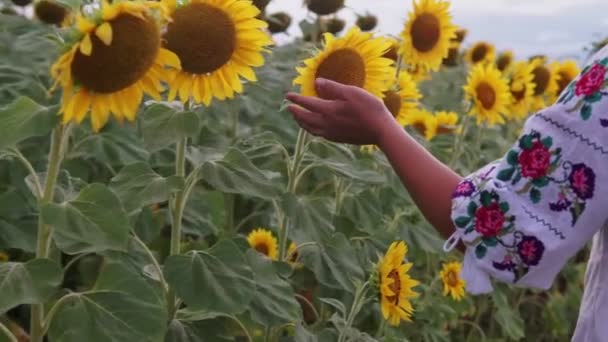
pixel 331 90
pixel 310 121
pixel 313 104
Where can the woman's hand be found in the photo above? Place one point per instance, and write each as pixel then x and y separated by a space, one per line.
pixel 344 114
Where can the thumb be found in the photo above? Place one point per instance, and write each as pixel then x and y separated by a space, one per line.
pixel 330 90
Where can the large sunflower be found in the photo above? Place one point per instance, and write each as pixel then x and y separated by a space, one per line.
pixel 116 59
pixel 481 52
pixel 264 242
pixel 427 34
pixel 218 42
pixel 545 81
pixel 404 99
pixel 423 121
pixel 453 285
pixel 489 93
pixel 522 90
pixel 396 285
pixel 356 60
pixel 565 72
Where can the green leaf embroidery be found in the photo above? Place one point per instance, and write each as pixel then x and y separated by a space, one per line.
pixel 472 208
pixel 541 182
pixel 535 195
pixel 504 207
pixel 513 158
pixel 481 251
pixel 506 174
pixel 462 221
pixel 547 142
pixel 586 112
pixel 491 241
pixel 485 198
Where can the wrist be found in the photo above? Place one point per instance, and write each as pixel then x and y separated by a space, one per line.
pixel 387 132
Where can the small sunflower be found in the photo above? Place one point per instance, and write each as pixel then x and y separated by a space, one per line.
pixel 404 99
pixel 453 55
pixel 427 34
pixel 264 242
pixel 446 122
pixel 293 253
pixel 52 13
pixel 565 72
pixel 423 121
pixel 489 93
pixel 218 42
pixel 522 90
pixel 393 51
pixel 481 52
pixel 396 285
pixel 461 35
pixel 261 4
pixel 453 285
pixel 355 59
pixel 117 58
pixel 332 25
pixel 367 22
pixel 505 61
pixel 324 7
pixel 278 22
pixel 545 81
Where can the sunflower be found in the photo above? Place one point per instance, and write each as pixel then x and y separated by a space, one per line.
pixel 522 90
pixel 504 62
pixel 481 52
pixel 264 242
pixel 423 121
pixel 396 285
pixel 278 22
pixel 427 34
pixel 404 99
pixel 460 36
pixel 218 42
pixel 565 72
pixel 367 22
pixel 293 253
pixel 332 25
pixel 446 122
pixel 52 13
pixel 393 51
pixel 489 93
pixel 453 285
pixel 116 59
pixel 355 59
pixel 545 81
pixel 453 55
pixel 324 7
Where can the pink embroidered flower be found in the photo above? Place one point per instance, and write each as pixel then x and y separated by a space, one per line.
pixel 582 181
pixel 591 81
pixel 464 189
pixel 489 220
pixel 535 161
pixel 530 250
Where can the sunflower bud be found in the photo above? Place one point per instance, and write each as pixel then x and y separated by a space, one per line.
pixel 461 34
pixel 278 22
pixel 261 4
pixel 333 25
pixel 22 3
pixel 325 7
pixel 50 12
pixel 367 22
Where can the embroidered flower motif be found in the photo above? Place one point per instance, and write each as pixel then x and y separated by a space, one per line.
pixel 562 203
pixel 506 264
pixel 535 161
pixel 530 250
pixel 591 81
pixel 466 188
pixel 582 181
pixel 489 220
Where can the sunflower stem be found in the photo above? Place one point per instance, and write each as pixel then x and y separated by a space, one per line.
pixel 459 141
pixel 7 333
pixel 56 152
pixel 354 310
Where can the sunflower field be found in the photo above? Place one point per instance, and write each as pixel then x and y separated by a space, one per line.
pixel 153 186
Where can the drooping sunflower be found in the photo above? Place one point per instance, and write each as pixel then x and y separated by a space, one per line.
pixel 402 100
pixel 324 7
pixel 355 59
pixel 116 59
pixel 52 13
pixel 461 35
pixel 367 22
pixel 522 90
pixel 446 122
pixel 396 285
pixel 565 72
pixel 218 42
pixel 545 81
pixel 427 34
pixel 423 121
pixel 264 242
pixel 393 51
pixel 505 61
pixel 453 285
pixel 278 22
pixel 453 54
pixel 489 93
pixel 481 52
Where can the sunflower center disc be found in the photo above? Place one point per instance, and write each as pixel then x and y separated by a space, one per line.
pixel 135 44
pixel 452 279
pixel 262 248
pixel 503 62
pixel 343 66
pixel 50 12
pixel 420 128
pixel 392 101
pixel 541 79
pixel 519 94
pixel 325 7
pixel 486 95
pixel 395 287
pixel 202 36
pixel 479 53
pixel 425 32
pixel 563 82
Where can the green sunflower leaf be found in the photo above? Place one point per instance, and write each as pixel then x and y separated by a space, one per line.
pixel 164 125
pixel 22 119
pixel 32 282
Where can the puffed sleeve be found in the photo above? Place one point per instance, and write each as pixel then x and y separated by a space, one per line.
pixel 522 217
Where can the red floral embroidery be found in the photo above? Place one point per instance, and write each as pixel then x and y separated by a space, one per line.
pixel 535 161
pixel 489 220
pixel 591 82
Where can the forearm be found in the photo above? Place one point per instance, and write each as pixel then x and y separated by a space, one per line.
pixel 429 182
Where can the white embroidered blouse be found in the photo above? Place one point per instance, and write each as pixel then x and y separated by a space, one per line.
pixel 523 216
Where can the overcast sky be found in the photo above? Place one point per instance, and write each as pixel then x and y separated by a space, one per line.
pixel 559 28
